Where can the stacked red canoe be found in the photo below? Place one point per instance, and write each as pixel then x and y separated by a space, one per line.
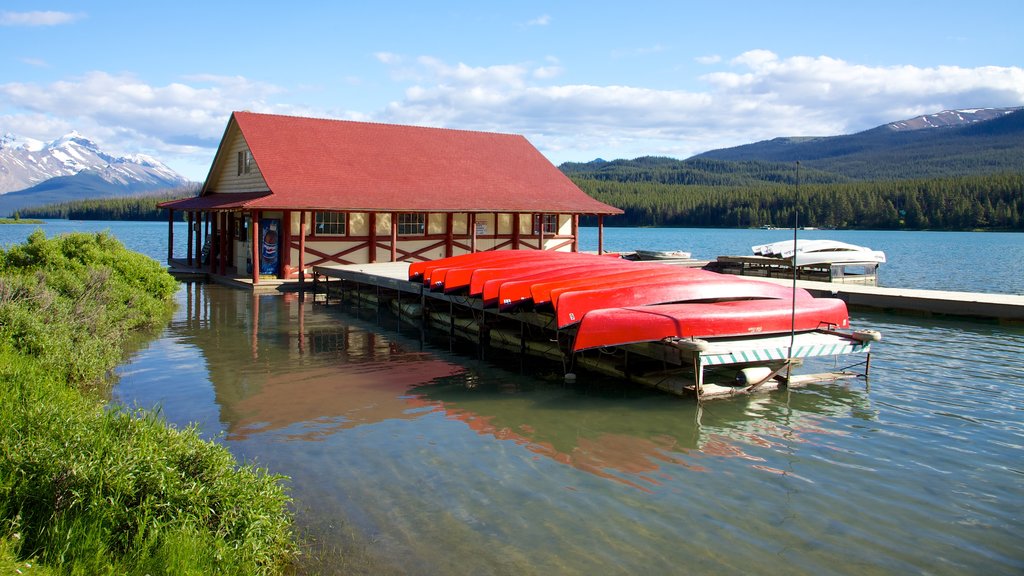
pixel 610 301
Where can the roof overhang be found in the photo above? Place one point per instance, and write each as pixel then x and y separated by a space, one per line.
pixel 233 201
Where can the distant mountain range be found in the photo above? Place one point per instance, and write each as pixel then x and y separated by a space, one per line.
pixel 72 167
pixel 949 143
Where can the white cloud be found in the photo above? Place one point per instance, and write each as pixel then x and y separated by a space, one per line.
pixel 758 95
pixel 35 62
pixel 709 59
pixel 181 120
pixel 542 20
pixel 39 18
pixel 754 96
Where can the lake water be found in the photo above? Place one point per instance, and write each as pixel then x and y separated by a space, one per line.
pixel 409 457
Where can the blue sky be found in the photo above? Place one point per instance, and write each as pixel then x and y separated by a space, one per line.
pixel 581 80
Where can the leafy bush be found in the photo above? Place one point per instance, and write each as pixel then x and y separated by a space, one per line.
pixel 95 490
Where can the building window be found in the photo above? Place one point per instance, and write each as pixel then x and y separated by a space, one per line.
pixel 245 162
pixel 412 224
pixel 550 223
pixel 329 224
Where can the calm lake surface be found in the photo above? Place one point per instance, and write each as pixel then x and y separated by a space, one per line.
pixel 409 457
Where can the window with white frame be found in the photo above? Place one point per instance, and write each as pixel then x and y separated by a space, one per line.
pixel 550 223
pixel 329 224
pixel 412 224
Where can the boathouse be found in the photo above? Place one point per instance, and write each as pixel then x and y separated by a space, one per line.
pixel 288 193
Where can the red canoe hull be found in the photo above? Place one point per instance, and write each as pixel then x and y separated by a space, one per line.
pixel 571 306
pixel 619 326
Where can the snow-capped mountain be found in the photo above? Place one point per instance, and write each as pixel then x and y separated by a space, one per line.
pixel 950 118
pixel 26 162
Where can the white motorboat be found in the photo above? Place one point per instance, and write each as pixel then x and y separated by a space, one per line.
pixel 812 252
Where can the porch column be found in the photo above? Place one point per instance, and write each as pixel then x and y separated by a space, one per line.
pixel 575 232
pixel 302 248
pixel 600 234
pixel 206 234
pixel 286 244
pixel 449 235
pixel 472 232
pixel 255 216
pixel 394 236
pixel 198 232
pixel 515 231
pixel 190 235
pixel 212 236
pixel 222 254
pixel 540 230
pixel 372 256
pixel 170 235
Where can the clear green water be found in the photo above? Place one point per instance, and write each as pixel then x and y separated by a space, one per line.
pixel 411 458
pixel 434 462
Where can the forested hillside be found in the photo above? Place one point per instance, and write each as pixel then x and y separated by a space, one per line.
pixel 954 178
pixel 964 203
pixel 884 153
pixel 120 208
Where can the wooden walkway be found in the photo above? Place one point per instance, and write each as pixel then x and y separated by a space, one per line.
pixel 1007 308
pixel 968 305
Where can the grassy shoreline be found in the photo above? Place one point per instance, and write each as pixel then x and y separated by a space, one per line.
pixel 90 489
pixel 20 221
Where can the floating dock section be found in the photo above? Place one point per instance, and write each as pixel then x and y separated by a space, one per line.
pixel 703 369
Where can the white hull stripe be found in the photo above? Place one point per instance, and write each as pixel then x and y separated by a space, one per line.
pixel 767 354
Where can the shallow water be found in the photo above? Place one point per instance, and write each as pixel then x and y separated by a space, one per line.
pixel 444 463
pixel 429 460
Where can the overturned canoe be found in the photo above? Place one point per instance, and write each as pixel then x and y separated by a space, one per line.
pixel 619 326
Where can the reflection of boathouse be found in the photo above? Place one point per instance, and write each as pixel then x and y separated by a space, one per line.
pixel 288 193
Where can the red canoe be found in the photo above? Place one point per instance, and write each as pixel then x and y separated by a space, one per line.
pixel 433 272
pixel 678 275
pixel 571 261
pixel 571 306
pixel 618 326
pixel 515 291
pixel 541 293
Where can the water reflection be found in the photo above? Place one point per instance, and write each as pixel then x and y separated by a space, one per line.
pixel 305 372
pixel 440 462
pixel 323 376
pixel 629 438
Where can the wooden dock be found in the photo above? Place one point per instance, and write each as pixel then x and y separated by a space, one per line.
pixel 1003 308
pixel 687 367
pixel 966 305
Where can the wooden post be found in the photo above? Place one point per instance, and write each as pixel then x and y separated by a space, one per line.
pixel 515 231
pixel 575 232
pixel 232 234
pixel 394 236
pixel 198 232
pixel 472 232
pixel 285 251
pixel 540 231
pixel 449 235
pixel 255 247
pixel 170 235
pixel 372 256
pixel 302 247
pixel 189 235
pixel 212 226
pixel 600 234
pixel 222 254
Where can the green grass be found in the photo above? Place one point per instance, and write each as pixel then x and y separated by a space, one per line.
pixel 90 489
pixel 20 221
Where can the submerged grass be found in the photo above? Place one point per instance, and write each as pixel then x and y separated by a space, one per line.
pixel 87 489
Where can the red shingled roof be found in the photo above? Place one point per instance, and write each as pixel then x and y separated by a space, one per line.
pixel 318 164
